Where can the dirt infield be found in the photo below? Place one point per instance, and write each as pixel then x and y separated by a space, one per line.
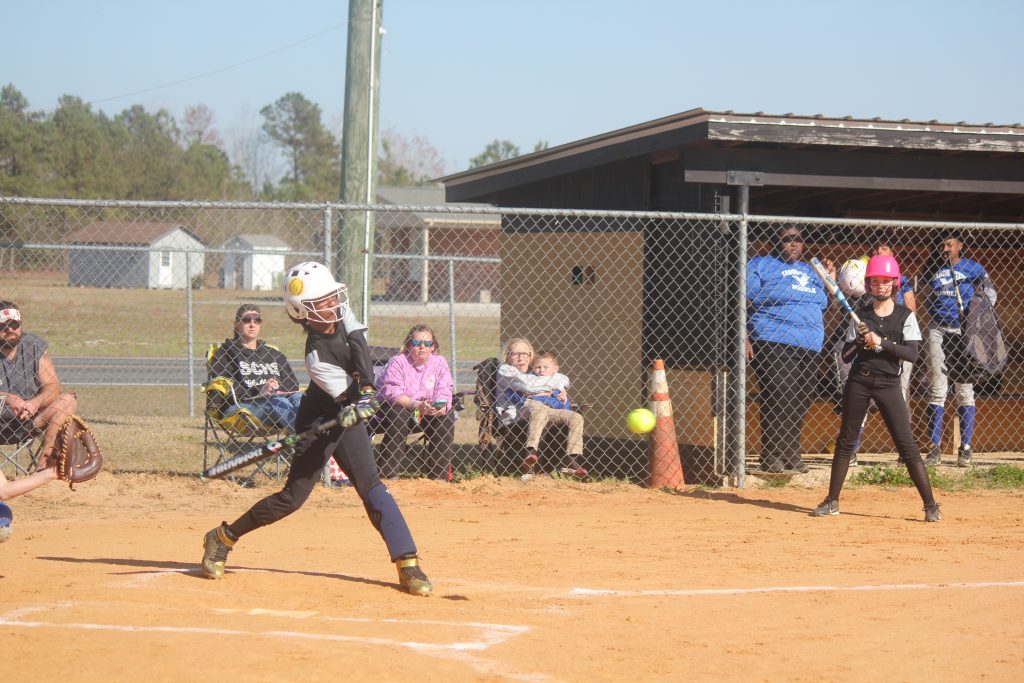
pixel 539 581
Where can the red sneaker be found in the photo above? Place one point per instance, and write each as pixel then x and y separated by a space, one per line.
pixel 529 461
pixel 573 469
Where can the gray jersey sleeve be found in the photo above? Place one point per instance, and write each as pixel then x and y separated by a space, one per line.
pixel 911 330
pixel 350 322
pixel 328 376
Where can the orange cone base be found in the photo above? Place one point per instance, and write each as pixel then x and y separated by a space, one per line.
pixel 665 468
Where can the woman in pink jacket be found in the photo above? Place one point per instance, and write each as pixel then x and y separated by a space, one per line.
pixel 416 393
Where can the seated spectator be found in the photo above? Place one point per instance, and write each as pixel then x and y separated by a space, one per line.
pixel 515 384
pixel 552 407
pixel 416 393
pixel 264 382
pixel 28 381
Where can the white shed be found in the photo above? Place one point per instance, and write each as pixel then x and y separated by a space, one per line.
pixel 254 262
pixel 127 255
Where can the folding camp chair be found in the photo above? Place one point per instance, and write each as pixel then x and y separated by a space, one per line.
pixel 227 433
pixel 20 445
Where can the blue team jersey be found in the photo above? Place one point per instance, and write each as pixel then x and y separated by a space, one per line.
pixel 905 287
pixel 943 306
pixel 786 303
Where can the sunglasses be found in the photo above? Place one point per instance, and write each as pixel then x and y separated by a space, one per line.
pixel 12 325
pixel 789 239
pixel 258 321
pixel 421 342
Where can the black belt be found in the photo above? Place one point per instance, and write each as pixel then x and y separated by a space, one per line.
pixel 872 373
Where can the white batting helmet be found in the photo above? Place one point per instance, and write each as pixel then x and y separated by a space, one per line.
pixel 850 277
pixel 308 284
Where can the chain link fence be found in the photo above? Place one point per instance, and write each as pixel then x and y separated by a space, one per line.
pixel 131 296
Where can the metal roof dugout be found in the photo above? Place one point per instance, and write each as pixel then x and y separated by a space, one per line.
pixel 801 165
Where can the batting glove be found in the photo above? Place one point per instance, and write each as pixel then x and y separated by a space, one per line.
pixel 360 411
pixel 366 406
pixel 347 416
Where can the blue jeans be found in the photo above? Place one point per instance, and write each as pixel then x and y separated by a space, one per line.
pixel 278 411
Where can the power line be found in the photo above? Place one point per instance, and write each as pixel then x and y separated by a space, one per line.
pixel 222 69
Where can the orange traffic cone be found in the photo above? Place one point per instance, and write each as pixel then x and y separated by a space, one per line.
pixel 664 469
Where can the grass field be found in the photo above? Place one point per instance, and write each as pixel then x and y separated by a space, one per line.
pixel 131 323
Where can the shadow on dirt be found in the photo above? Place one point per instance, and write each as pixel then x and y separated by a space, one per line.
pixel 192 570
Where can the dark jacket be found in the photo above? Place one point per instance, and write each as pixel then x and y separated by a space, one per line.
pixel 249 369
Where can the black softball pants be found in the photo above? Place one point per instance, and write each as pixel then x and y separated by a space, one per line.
pixel 398 423
pixel 888 396
pixel 787 376
pixel 352 450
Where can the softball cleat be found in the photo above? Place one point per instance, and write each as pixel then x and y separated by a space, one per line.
pixel 412 578
pixel 827 508
pixel 216 545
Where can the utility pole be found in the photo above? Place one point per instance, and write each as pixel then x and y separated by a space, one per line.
pixel 353 262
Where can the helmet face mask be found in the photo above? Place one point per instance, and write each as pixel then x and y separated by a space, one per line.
pixel 308 286
pixel 316 311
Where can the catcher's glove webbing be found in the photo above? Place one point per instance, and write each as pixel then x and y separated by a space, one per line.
pixel 76 453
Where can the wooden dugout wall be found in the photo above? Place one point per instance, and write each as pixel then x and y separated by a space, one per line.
pixel 582 299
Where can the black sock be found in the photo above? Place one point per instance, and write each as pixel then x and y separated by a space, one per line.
pixel 837 477
pixel 919 474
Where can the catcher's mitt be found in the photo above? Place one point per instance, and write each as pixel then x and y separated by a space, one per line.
pixel 76 454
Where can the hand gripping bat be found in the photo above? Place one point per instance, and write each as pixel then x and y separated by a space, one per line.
pixel 264 451
pixel 833 289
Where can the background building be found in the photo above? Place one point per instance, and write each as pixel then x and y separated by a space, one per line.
pixel 123 254
pixel 254 262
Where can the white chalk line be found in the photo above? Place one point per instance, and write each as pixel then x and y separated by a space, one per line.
pixel 697 592
pixel 489 634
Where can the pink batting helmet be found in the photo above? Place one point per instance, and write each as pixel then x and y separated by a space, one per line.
pixel 883 266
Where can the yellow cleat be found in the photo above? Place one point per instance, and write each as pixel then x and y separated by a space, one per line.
pixel 216 545
pixel 412 578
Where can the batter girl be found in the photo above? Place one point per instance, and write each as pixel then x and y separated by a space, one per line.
pixel 887 335
pixel 338 362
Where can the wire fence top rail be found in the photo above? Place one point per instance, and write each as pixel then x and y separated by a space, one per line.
pixel 492 210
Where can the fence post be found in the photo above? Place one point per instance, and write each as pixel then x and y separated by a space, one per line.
pixel 740 391
pixel 328 217
pixel 425 270
pixel 189 339
pixel 451 317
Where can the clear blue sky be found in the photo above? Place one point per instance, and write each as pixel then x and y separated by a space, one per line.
pixel 464 72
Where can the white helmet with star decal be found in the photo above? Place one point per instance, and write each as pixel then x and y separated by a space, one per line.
pixel 851 276
pixel 309 284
